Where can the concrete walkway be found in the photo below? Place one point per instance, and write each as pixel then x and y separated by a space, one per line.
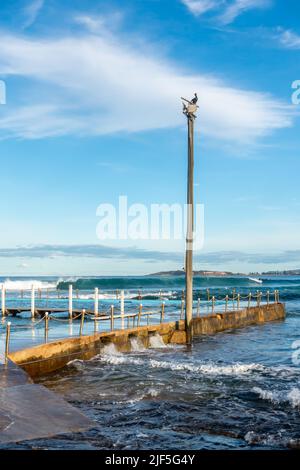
pixel 29 411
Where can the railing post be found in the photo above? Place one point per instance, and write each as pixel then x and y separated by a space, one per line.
pixel 278 296
pixel 122 308
pixel 7 339
pixel 70 301
pixel 32 302
pixel 226 302
pixel 182 309
pixel 139 315
pixel 268 297
pixel 96 304
pixel 233 298
pixel 82 322
pixel 258 298
pixel 238 301
pixel 3 293
pixel 46 326
pixel 249 299
pixel 112 320
pixel 162 314
pixel 208 296
pixel 198 307
pixel 213 304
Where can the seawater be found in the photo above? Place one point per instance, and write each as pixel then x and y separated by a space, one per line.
pixel 238 389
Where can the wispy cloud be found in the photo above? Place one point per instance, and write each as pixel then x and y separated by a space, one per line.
pixel 199 7
pixel 226 11
pixel 94 85
pixel 31 12
pixel 217 258
pixel 288 39
pixel 100 24
pixel 238 7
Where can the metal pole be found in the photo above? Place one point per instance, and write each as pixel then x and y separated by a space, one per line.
pixel 7 341
pixel 182 309
pixel 32 302
pixel 190 230
pixel 96 310
pixel 226 305
pixel 122 307
pixel 112 318
pixel 198 307
pixel 70 301
pixel 82 322
pixel 162 315
pixel 3 301
pixel 139 315
pixel 46 326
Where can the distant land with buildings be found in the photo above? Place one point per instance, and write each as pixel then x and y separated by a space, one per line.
pixel 180 272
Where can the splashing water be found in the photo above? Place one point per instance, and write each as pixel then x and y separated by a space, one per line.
pixel 137 345
pixel 110 350
pixel 156 342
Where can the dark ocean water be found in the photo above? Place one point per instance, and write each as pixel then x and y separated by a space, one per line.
pixel 234 390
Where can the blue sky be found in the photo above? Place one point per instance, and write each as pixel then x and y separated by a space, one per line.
pixel 93 112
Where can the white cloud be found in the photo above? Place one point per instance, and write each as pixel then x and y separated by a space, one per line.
pixel 238 7
pixel 199 7
pixel 228 11
pixel 100 24
pixel 31 12
pixel 288 39
pixel 90 85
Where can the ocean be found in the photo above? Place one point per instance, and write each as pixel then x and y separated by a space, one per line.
pixel 238 389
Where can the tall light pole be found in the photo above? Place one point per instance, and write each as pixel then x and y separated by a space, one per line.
pixel 189 109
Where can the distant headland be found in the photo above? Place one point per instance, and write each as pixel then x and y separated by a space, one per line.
pixel 180 272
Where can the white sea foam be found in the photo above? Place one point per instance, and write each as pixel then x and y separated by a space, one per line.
pixel 137 345
pixel 156 342
pixel 27 285
pixel 292 397
pixel 265 439
pixel 76 363
pixel 110 351
pixel 207 369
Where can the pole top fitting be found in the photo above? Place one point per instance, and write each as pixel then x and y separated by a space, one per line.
pixel 190 107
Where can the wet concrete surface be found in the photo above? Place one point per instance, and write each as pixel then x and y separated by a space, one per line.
pixel 30 411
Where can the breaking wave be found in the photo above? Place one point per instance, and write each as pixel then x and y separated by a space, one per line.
pixel 27 284
pixel 276 397
pixel 208 368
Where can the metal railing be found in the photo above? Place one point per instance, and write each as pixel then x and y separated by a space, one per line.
pixel 143 316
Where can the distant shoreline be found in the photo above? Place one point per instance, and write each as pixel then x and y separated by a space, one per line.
pixel 224 273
